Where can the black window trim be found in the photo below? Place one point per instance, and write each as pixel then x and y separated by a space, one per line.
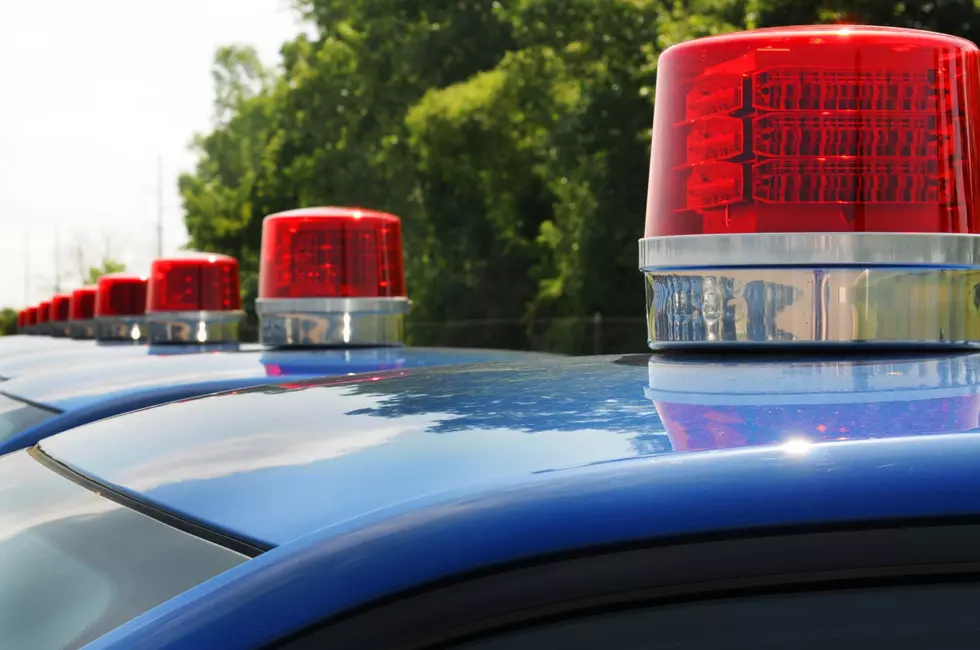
pixel 247 547
pixel 27 402
pixel 706 567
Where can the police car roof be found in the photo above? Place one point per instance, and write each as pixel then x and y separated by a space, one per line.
pixel 83 385
pixel 61 356
pixel 387 483
pixel 258 463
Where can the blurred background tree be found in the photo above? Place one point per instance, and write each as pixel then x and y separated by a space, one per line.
pixel 107 266
pixel 8 321
pixel 512 138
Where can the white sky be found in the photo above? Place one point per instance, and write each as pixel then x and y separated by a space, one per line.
pixel 92 92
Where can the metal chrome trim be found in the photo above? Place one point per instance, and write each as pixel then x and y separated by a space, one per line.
pixel 121 328
pixel 81 329
pixel 193 327
pixel 334 322
pixel 59 329
pixel 809 249
pixel 888 306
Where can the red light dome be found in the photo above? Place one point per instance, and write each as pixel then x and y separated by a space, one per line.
pixel 120 294
pixel 194 282
pixel 332 252
pixel 816 129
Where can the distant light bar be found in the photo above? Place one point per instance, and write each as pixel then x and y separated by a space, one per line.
pixel 332 276
pixel 30 320
pixel 815 185
pixel 194 298
pixel 120 308
pixel 81 313
pixel 60 306
pixel 44 318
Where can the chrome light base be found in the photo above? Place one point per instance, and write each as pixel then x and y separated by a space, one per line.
pixel 81 329
pixel 836 289
pixel 194 327
pixel 121 328
pixel 332 322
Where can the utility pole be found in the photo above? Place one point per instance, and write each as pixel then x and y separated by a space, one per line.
pixel 57 258
pixel 27 268
pixel 159 206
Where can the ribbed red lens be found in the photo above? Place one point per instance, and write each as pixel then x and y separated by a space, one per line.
pixel 120 295
pixel 332 253
pixel 198 282
pixel 60 305
pixel 82 304
pixel 44 312
pixel 30 316
pixel 816 129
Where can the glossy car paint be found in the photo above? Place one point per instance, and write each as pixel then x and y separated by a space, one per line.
pixel 92 354
pixel 366 484
pixel 21 344
pixel 123 385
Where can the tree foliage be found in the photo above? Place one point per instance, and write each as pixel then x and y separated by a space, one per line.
pixel 107 266
pixel 511 137
pixel 8 321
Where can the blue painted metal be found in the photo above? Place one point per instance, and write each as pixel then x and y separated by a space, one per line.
pixel 366 482
pixel 18 345
pixel 85 393
pixel 412 544
pixel 92 354
pixel 380 441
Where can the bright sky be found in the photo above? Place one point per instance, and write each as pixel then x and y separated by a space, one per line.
pixel 94 92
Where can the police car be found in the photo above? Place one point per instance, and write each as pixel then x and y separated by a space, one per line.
pixel 795 465
pixel 332 302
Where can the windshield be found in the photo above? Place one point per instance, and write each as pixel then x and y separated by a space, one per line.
pixel 17 416
pixel 76 565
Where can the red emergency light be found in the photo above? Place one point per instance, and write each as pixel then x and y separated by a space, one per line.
pixel 332 253
pixel 791 166
pixel 120 306
pixel 44 317
pixel 81 313
pixel 83 303
pixel 194 282
pixel 816 129
pixel 194 298
pixel 30 318
pixel 332 276
pixel 60 305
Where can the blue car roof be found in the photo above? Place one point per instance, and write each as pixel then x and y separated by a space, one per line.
pixel 103 378
pixel 90 354
pixel 260 464
pixel 392 482
pixel 21 344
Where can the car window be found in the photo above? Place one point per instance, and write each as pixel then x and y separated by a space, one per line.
pixel 75 565
pixel 939 617
pixel 17 416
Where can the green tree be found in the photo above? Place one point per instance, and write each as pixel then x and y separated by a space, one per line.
pixel 511 137
pixel 107 266
pixel 8 321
